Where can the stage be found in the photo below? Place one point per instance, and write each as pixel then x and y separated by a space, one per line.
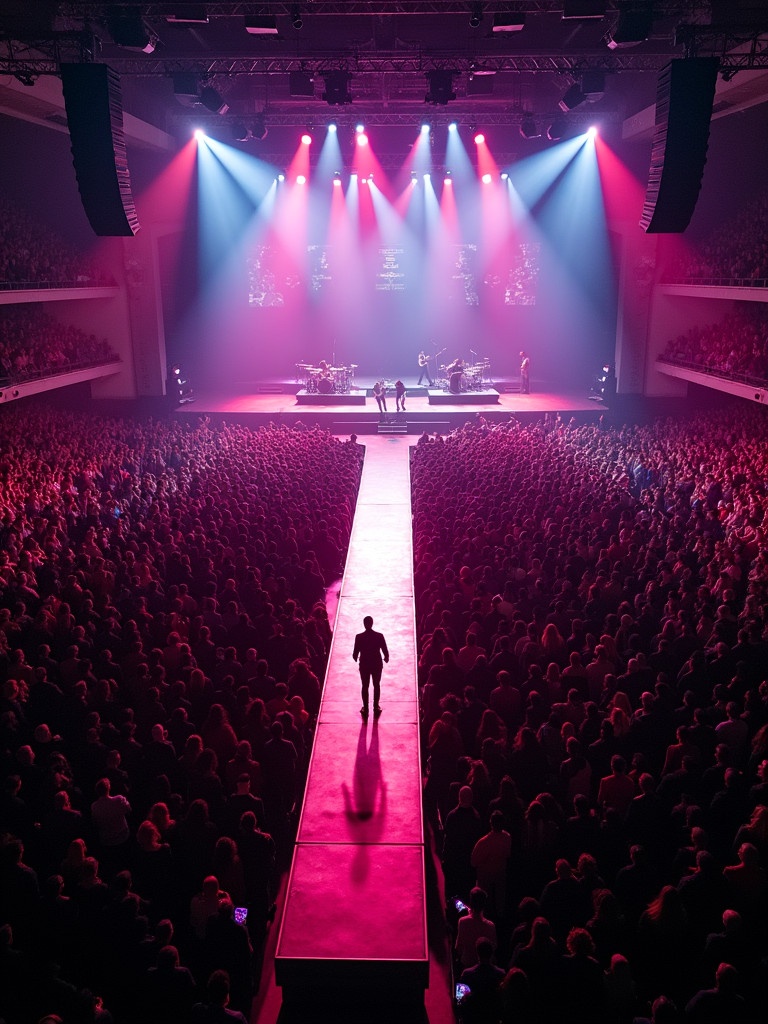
pixel 259 402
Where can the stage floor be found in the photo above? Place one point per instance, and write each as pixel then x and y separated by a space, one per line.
pixel 245 399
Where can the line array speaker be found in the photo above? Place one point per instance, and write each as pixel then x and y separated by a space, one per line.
pixel 93 101
pixel 684 96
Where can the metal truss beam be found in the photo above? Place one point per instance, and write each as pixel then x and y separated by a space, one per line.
pixel 325 8
pixel 378 118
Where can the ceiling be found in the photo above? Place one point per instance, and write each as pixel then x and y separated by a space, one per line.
pixel 387 47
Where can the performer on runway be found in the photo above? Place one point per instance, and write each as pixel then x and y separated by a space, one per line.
pixel 399 396
pixel 379 393
pixel 525 373
pixel 369 648
pixel 424 364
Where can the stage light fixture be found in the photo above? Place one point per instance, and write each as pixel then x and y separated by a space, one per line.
pixel 508 22
pixel 592 131
pixel 260 25
pixel 504 176
pixel 427 177
pixel 486 179
pixel 281 176
pixel 479 139
pixel 572 98
pixel 447 180
pixel 360 127
pixel 414 176
pixel 593 85
pixel 362 139
pixel 476 16
pixel 453 127
pixel 259 128
pixel 188 14
pixel 199 133
pixel 632 27
pixel 306 139
pixel 529 129
pixel 337 88
pixel 363 181
pixel 425 129
pixel 440 87
pixel 240 131
pixel 296 19
pixel 556 130
pixel 332 128
pixel 337 181
pixel 129 30
pixel 212 100
pixel 301 179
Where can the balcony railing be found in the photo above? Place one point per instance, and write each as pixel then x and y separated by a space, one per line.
pixel 25 376
pixel 716 282
pixel 738 378
pixel 22 286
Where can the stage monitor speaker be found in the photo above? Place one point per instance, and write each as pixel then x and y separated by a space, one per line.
pixel 684 97
pixel 93 102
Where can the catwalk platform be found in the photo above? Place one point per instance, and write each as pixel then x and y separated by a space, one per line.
pixel 257 403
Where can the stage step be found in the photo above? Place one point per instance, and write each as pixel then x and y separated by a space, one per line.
pixel 397 427
pixel 269 388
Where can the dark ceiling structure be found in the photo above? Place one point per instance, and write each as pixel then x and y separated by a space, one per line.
pixel 505 60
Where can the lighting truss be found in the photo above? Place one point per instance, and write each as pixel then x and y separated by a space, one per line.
pixel 93 8
pixel 388 118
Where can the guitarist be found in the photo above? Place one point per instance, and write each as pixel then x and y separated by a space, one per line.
pixel 424 361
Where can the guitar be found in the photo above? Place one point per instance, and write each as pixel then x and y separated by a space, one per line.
pixel 423 359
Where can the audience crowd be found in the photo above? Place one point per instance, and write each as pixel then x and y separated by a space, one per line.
pixel 33 344
pixel 592 607
pixel 163 634
pixel 31 254
pixel 736 346
pixel 737 251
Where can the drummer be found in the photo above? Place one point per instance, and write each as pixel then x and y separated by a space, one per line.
pixel 323 367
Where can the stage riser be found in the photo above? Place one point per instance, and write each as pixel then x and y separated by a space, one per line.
pixel 467 398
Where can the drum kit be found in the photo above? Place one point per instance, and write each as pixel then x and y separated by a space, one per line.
pixel 472 377
pixel 333 380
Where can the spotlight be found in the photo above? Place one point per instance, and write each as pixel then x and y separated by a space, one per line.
pixel 306 139
pixel 592 131
pixel 337 181
pixel 359 128
pixel 556 130
pixel 281 176
pixel 362 139
pixel 332 129
pixel 212 100
pixel 440 87
pixel 476 16
pixel 427 177
pixel 573 97
pixel 425 129
pixel 486 179
pixel 337 88
pixel 447 180
pixel 301 179
pixel 363 181
pixel 296 19
pixel 504 176
pixel 528 128
pixel 452 127
pixel 413 176
pixel 479 139
pixel 199 133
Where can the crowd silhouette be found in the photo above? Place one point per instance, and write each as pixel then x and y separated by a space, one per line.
pixel 163 635
pixel 33 344
pixel 591 607
pixel 32 255
pixel 736 346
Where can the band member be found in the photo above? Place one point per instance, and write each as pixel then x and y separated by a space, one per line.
pixel 525 373
pixel 399 396
pixel 455 371
pixel 379 393
pixel 323 366
pixel 424 364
